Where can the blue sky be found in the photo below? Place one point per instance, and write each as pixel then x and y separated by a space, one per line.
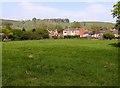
pixel 75 11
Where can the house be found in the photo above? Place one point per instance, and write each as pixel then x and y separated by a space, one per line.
pixel 96 35
pixel 87 34
pixel 115 32
pixel 113 29
pixel 79 32
pixel 74 32
pixel 53 33
pixel 60 33
pixel 68 32
pixel 83 33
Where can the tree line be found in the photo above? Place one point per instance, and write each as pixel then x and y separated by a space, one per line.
pixel 51 25
pixel 17 34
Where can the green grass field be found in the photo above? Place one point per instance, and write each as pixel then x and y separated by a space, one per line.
pixel 72 62
pixel 0 64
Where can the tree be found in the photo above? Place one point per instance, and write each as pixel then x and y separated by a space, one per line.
pixel 34 20
pixel 23 24
pixel 108 36
pixel 76 25
pixel 17 34
pixel 67 20
pixel 84 23
pixel 23 29
pixel 58 27
pixel 0 29
pixel 33 30
pixel 116 13
pixel 51 25
pixel 7 25
pixel 7 33
pixel 66 27
pixel 43 33
pixel 95 28
pixel 20 35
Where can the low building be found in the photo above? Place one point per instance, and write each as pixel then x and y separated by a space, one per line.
pixel 53 33
pixel 74 32
pixel 115 32
pixel 83 33
pixel 87 34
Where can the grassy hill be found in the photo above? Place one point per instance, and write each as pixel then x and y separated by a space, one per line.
pixel 29 24
pixel 60 63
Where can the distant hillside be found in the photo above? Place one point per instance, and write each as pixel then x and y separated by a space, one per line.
pixel 52 24
pixel 102 24
pixel 8 21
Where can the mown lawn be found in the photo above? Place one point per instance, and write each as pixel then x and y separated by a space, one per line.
pixel 72 62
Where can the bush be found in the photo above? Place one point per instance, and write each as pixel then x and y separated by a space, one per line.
pixel 7 33
pixel 42 33
pixel 55 37
pixel 33 30
pixel 67 37
pixel 61 37
pixel 17 34
pixel 71 37
pixel 108 36
pixel 38 34
pixel 20 35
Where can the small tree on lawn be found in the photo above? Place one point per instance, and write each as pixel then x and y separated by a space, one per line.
pixel 108 36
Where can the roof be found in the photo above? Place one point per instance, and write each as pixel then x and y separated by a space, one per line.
pixel 73 29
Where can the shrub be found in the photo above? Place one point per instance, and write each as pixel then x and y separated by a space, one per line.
pixel 61 37
pixel 42 33
pixel 55 37
pixel 33 30
pixel 23 29
pixel 17 34
pixel 108 36
pixel 7 33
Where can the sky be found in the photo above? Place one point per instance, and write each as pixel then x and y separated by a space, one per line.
pixel 75 11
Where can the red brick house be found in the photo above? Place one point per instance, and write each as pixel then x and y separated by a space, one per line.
pixel 74 32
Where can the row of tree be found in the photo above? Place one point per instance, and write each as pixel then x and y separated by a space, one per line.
pixel 17 34
pixel 36 34
pixel 57 20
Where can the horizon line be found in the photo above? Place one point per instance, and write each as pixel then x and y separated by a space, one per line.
pixel 58 18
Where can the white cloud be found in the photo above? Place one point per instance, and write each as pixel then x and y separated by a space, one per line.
pixel 30 9
pixel 93 12
pixel 0 10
